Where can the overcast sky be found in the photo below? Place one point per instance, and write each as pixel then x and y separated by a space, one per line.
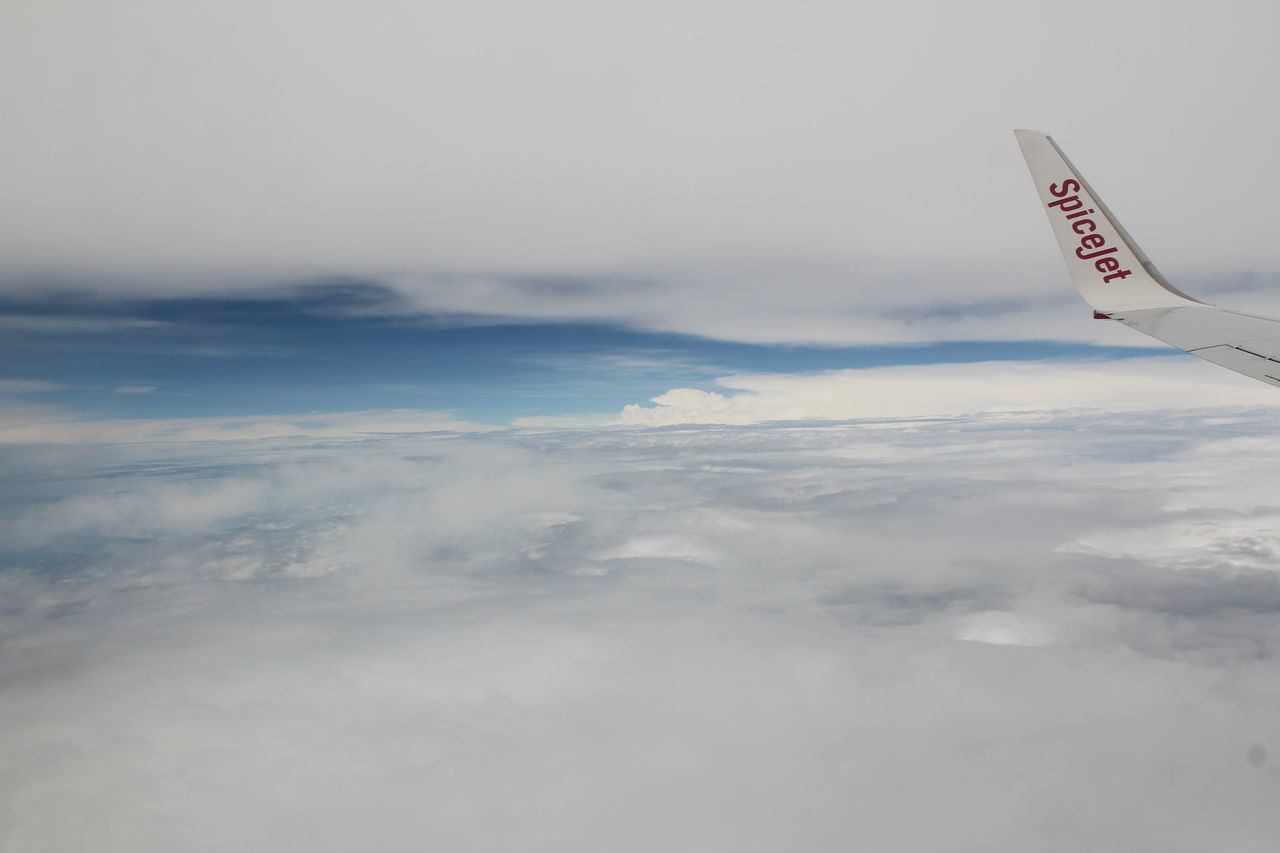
pixel 755 171
pixel 626 427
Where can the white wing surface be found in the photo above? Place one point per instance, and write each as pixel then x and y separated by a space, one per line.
pixel 1120 282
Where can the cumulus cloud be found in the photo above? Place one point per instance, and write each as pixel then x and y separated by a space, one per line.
pixel 939 389
pixel 924 634
pixel 899 391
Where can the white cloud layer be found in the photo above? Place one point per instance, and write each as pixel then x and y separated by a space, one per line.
pixel 1000 632
pixel 931 390
pixel 939 390
pixel 813 171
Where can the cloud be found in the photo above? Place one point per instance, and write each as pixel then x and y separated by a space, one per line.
pixel 814 172
pixel 770 301
pixel 55 426
pixel 728 637
pixel 999 607
pixel 135 389
pixel 943 389
pixel 42 324
pixel 610 365
pixel 27 386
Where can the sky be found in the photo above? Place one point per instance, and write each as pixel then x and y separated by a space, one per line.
pixel 570 425
pixel 503 211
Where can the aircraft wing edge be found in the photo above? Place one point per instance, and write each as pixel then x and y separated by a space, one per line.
pixel 1248 344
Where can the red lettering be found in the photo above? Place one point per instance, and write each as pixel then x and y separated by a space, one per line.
pixel 1093 246
pixel 1068 186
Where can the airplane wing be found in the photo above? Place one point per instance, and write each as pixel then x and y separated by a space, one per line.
pixel 1120 282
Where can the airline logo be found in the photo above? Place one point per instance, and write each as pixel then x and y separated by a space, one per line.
pixel 1093 245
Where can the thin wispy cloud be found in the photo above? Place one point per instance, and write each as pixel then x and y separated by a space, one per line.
pixel 57 426
pixel 71 323
pixel 27 386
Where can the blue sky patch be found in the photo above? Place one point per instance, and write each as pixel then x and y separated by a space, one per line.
pixel 346 347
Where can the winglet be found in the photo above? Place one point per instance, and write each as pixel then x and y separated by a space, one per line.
pixel 1111 272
